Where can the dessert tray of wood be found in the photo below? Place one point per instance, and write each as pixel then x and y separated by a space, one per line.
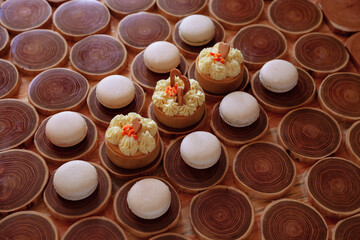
pixel 172 119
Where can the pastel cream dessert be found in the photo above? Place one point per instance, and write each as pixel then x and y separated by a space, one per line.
pixel 115 91
pixel 200 150
pixel 149 198
pixel 239 109
pixel 75 180
pixel 278 76
pixel 178 101
pixel 132 141
pixel 66 129
pixel 196 30
pixel 219 69
pixel 161 57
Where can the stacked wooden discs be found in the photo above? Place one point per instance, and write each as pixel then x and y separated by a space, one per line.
pixel 9 79
pixel 177 9
pixel 121 8
pixel 348 228
pixel 353 141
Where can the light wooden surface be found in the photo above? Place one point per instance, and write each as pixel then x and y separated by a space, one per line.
pixel 184 225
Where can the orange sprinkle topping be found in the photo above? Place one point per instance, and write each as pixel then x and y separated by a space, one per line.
pixel 217 57
pixel 171 90
pixel 128 130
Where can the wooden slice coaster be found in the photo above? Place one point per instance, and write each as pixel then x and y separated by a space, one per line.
pixel 147 78
pixel 218 97
pixel 94 228
pixel 9 79
pixel 56 90
pixel 303 93
pixel 168 236
pixel 348 228
pixel 320 53
pixel 352 44
pixel 333 187
pixel 309 134
pixel 73 210
pixel 189 179
pixel 28 225
pixel 56 3
pixel 123 173
pixel 259 44
pixel 221 213
pixel 177 9
pixel 38 50
pixel 121 8
pixel 237 136
pixel 23 178
pixel 80 18
pixel 295 18
pixel 342 17
pixel 145 228
pixel 264 170
pixel 352 140
pixel 18 123
pixel 169 130
pixel 4 41
pixel 24 15
pixel 193 51
pixel 339 95
pixel 59 155
pixel 235 14
pixel 139 30
pixel 98 56
pixel 103 115
pixel 291 219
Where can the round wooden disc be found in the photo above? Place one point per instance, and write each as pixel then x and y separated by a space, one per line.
pixel 342 16
pixel 234 14
pixel 222 213
pixel 168 236
pixel 259 44
pixel 9 79
pixel 295 18
pixel 72 210
pixel 18 123
pixel 237 136
pixel 98 56
pixel 264 170
pixel 147 78
pixel 352 140
pixel 24 15
pixel 123 173
pixel 78 19
pixel 352 44
pixel 24 175
pixel 303 93
pixel 139 30
pixel 28 225
pixel 56 90
pixel 103 115
pixel 56 3
pixel 4 41
pixel 189 179
pixel 121 8
pixel 339 94
pixel 333 187
pixel 348 228
pixel 193 51
pixel 145 227
pixel 59 155
pixel 320 53
pixel 177 9
pixel 94 228
pixel 169 130
pixel 309 134
pixel 38 50
pixel 291 219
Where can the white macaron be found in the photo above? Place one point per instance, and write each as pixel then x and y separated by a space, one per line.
pixel 278 76
pixel 239 109
pixel 196 30
pixel 115 91
pixel 200 150
pixel 161 57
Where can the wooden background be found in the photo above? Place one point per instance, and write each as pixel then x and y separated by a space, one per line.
pixel 184 225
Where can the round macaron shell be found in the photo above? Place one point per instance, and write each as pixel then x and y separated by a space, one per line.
pixel 196 30
pixel 161 57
